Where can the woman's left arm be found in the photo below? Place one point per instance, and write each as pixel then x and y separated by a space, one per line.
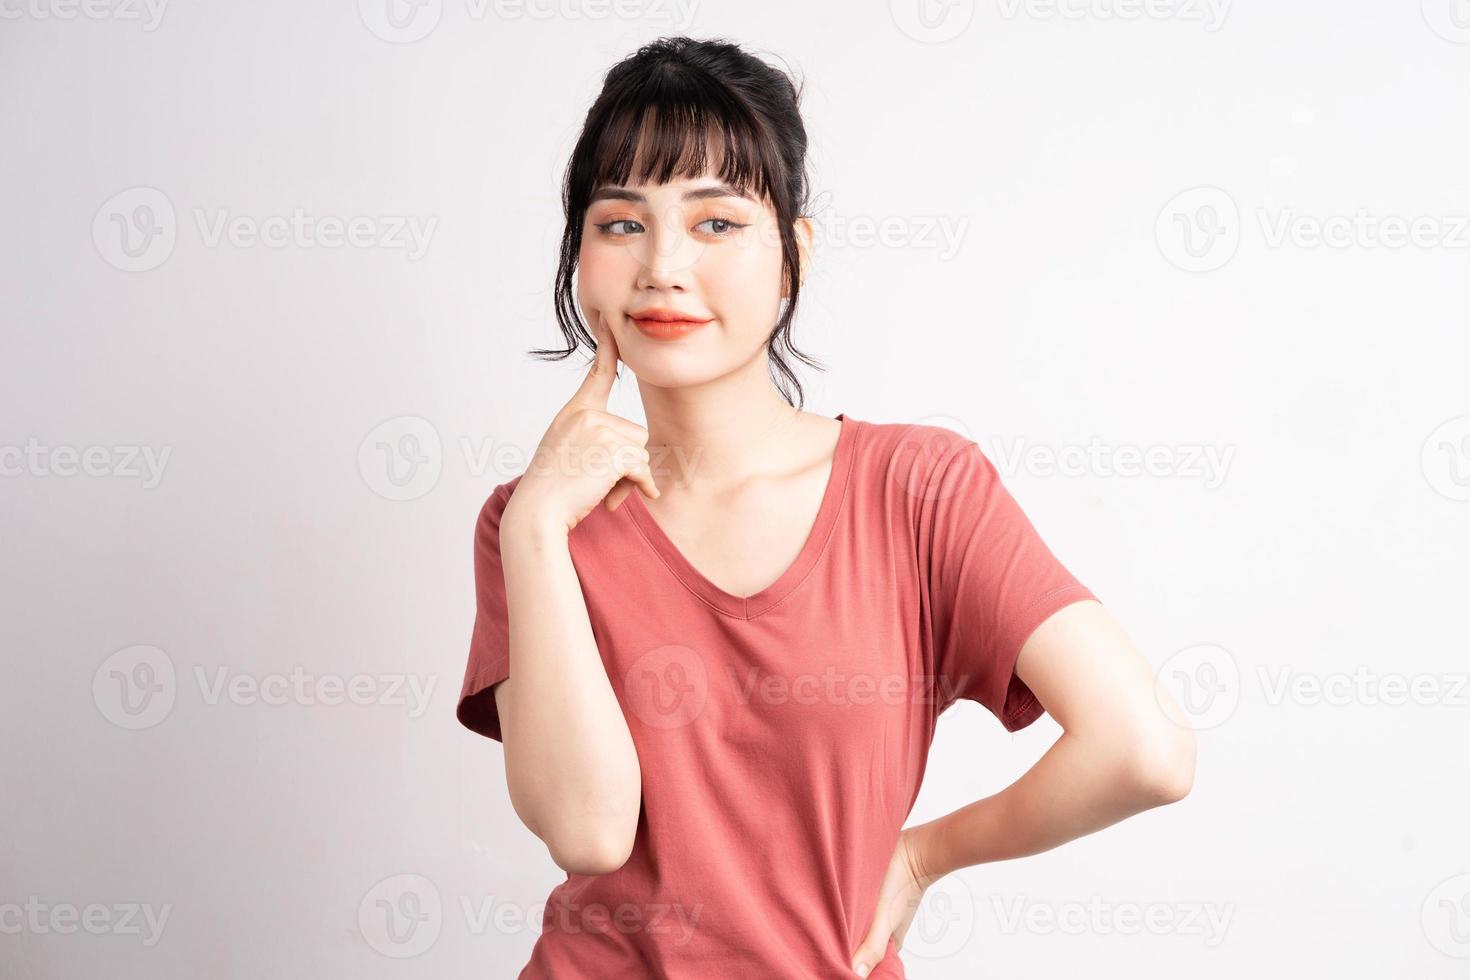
pixel 1125 747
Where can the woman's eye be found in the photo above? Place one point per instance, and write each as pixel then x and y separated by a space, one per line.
pixel 607 228
pixel 627 226
pixel 726 225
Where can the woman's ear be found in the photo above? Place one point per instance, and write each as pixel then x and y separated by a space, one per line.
pixel 805 240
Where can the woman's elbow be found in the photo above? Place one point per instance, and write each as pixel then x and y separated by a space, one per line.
pixel 597 843
pixel 590 856
pixel 1162 764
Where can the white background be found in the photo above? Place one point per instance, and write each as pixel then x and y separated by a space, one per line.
pixel 1078 297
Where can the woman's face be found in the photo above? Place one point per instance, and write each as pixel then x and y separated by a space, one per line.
pixel 694 248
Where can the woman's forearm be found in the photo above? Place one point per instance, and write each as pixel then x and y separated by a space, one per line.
pixel 1078 787
pixel 571 767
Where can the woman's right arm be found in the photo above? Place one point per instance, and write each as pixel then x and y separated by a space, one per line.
pixel 570 764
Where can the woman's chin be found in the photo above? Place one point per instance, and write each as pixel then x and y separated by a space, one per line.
pixel 662 372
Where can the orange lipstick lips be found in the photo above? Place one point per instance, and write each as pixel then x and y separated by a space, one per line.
pixel 665 324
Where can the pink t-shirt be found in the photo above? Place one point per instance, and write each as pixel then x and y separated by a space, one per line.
pixel 783 736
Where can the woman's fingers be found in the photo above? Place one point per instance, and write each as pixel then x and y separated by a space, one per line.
pixel 596 387
pixel 644 479
pixel 617 494
pixel 637 475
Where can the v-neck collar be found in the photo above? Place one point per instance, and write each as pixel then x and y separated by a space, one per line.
pixel 748 607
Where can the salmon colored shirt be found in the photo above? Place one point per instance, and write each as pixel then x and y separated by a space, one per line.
pixel 783 736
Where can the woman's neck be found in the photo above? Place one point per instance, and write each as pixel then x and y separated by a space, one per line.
pixel 715 436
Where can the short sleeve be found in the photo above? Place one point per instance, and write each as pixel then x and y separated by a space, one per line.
pixel 489 657
pixel 991 581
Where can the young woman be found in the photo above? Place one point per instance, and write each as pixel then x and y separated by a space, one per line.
pixel 716 691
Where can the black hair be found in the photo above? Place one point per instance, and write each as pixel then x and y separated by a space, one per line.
pixel 670 99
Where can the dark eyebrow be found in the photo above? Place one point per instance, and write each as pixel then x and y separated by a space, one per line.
pixel 699 194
